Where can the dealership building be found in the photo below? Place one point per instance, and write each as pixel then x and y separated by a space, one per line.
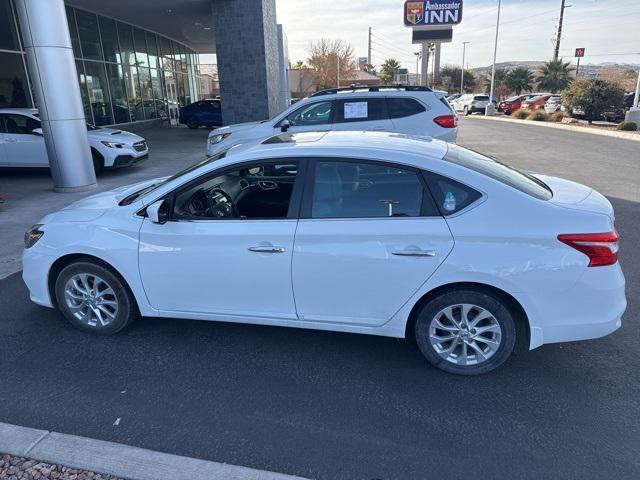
pixel 133 64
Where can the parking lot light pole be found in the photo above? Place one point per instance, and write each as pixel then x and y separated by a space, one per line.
pixel 493 67
pixel 464 48
pixel 636 97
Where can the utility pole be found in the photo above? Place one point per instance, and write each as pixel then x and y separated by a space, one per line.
pixel 464 48
pixel 556 51
pixel 338 68
pixel 493 67
pixel 418 56
pixel 369 49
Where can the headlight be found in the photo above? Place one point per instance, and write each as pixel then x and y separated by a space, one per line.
pixel 32 235
pixel 215 139
pixel 112 144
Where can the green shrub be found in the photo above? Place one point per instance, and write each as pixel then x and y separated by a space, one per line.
pixel 627 126
pixel 593 96
pixel 538 116
pixel 557 116
pixel 521 113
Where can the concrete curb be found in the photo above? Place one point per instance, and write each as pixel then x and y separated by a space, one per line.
pixel 560 126
pixel 123 461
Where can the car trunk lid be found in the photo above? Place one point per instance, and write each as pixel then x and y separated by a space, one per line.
pixel 576 196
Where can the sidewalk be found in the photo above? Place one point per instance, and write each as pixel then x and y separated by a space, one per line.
pixel 564 126
pixel 29 194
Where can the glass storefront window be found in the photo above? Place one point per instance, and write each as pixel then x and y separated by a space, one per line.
pixel 89 35
pixel 158 94
pixel 14 88
pixel 140 44
pixel 146 91
pixel 167 54
pixel 109 39
pixel 8 32
pixel 119 98
pixel 152 48
pixel 82 79
pixel 73 30
pixel 98 89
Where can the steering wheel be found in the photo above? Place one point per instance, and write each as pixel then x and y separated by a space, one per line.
pixel 221 205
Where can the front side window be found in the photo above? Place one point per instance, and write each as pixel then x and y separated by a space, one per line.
pixel 360 110
pixel 18 124
pixel 260 191
pixel 365 190
pixel 312 114
pixel 498 171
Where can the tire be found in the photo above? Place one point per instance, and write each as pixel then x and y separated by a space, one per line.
pixel 466 111
pixel 499 328
pixel 192 123
pixel 110 288
pixel 98 162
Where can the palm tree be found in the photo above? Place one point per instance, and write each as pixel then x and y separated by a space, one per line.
pixel 388 69
pixel 299 65
pixel 519 80
pixel 500 78
pixel 555 75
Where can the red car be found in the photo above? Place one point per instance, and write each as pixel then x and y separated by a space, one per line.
pixel 512 104
pixel 536 102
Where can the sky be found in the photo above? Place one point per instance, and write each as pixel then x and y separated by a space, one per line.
pixel 608 29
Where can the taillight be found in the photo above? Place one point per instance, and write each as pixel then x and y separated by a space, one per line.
pixel 447 121
pixel 601 248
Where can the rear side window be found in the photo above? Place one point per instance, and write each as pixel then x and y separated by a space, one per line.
pixel 360 110
pixel 450 196
pixel 481 98
pixel 498 171
pixel 404 107
pixel 366 190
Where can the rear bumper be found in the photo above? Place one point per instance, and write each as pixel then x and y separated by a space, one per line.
pixel 591 308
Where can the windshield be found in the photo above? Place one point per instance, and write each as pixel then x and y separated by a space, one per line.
pixel 498 171
pixel 136 195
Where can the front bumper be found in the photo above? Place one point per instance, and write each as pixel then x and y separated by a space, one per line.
pixel 128 160
pixel 35 274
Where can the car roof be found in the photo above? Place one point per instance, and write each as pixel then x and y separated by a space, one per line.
pixel 356 144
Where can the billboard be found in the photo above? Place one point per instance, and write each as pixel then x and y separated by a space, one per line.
pixel 432 13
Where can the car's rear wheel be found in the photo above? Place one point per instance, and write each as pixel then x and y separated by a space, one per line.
pixel 466 332
pixel 192 122
pixel 94 299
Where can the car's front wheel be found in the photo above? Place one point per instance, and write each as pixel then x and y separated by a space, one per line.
pixel 94 299
pixel 465 332
pixel 466 111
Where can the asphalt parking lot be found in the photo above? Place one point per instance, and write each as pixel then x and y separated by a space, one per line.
pixel 340 406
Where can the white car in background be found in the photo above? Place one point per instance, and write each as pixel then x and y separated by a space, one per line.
pixel 409 110
pixel 362 232
pixel 470 103
pixel 22 142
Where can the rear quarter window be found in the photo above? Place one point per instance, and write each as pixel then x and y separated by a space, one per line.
pixel 498 171
pixel 404 107
pixel 449 195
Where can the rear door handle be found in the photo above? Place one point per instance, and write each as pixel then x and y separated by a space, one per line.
pixel 414 253
pixel 267 249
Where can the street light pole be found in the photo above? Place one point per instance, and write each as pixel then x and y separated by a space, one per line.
pixel 464 48
pixel 636 97
pixel 493 67
pixel 418 55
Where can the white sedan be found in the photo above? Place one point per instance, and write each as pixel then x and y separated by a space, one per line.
pixel 364 232
pixel 22 143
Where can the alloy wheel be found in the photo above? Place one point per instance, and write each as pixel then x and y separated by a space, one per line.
pixel 91 299
pixel 465 334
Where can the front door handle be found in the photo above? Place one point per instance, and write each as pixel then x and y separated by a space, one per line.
pixel 414 253
pixel 267 249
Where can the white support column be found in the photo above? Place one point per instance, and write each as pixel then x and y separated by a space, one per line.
pixel 436 63
pixel 424 66
pixel 52 68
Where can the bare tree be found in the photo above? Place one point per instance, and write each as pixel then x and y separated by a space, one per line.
pixel 332 61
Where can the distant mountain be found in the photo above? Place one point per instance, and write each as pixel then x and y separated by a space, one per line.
pixel 585 69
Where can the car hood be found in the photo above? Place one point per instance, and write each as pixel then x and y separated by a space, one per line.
pixel 576 196
pixel 112 135
pixel 94 206
pixel 242 128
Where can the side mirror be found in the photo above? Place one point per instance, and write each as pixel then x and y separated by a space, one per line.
pixel 38 132
pixel 157 212
pixel 285 125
